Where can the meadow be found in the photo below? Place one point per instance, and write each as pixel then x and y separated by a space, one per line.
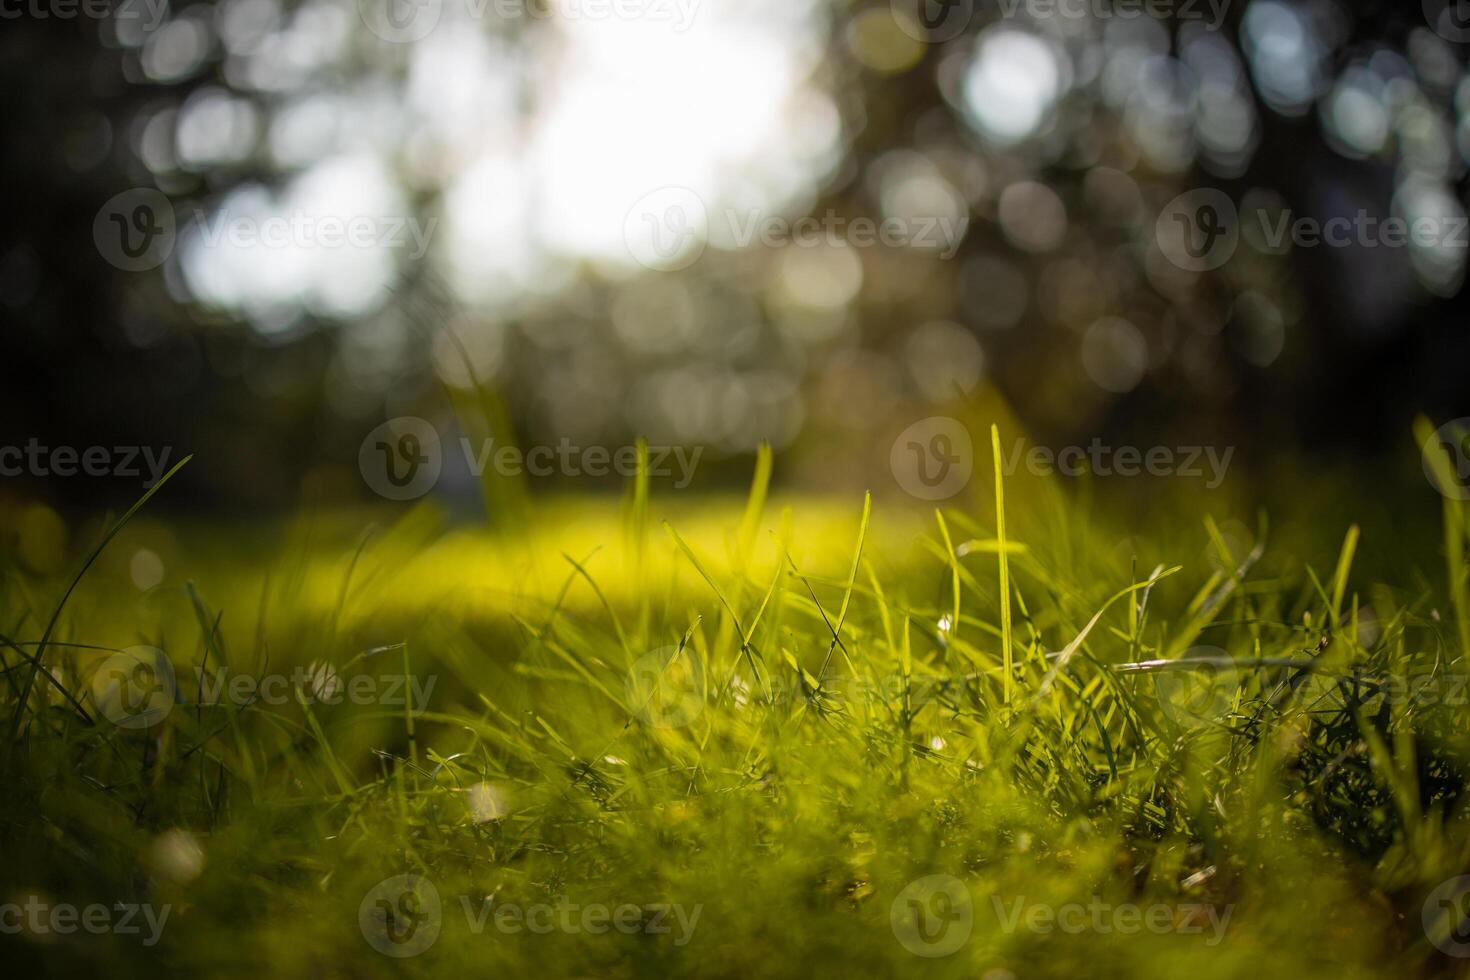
pixel 1005 737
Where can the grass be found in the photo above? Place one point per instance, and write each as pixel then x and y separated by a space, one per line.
pixel 755 731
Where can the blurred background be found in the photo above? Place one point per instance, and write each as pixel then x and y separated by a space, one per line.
pixel 586 213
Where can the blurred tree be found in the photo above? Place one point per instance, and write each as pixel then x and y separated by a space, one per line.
pixel 1054 142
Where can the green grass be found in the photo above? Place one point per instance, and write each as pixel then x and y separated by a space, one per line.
pixel 775 715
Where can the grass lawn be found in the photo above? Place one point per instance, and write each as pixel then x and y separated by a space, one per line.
pixel 750 737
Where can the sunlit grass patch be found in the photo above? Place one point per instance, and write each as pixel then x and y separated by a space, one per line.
pixel 757 737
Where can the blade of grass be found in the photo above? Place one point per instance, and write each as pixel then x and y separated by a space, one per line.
pixel 857 558
pixel 1456 524
pixel 25 691
pixel 1003 556
pixel 1340 576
